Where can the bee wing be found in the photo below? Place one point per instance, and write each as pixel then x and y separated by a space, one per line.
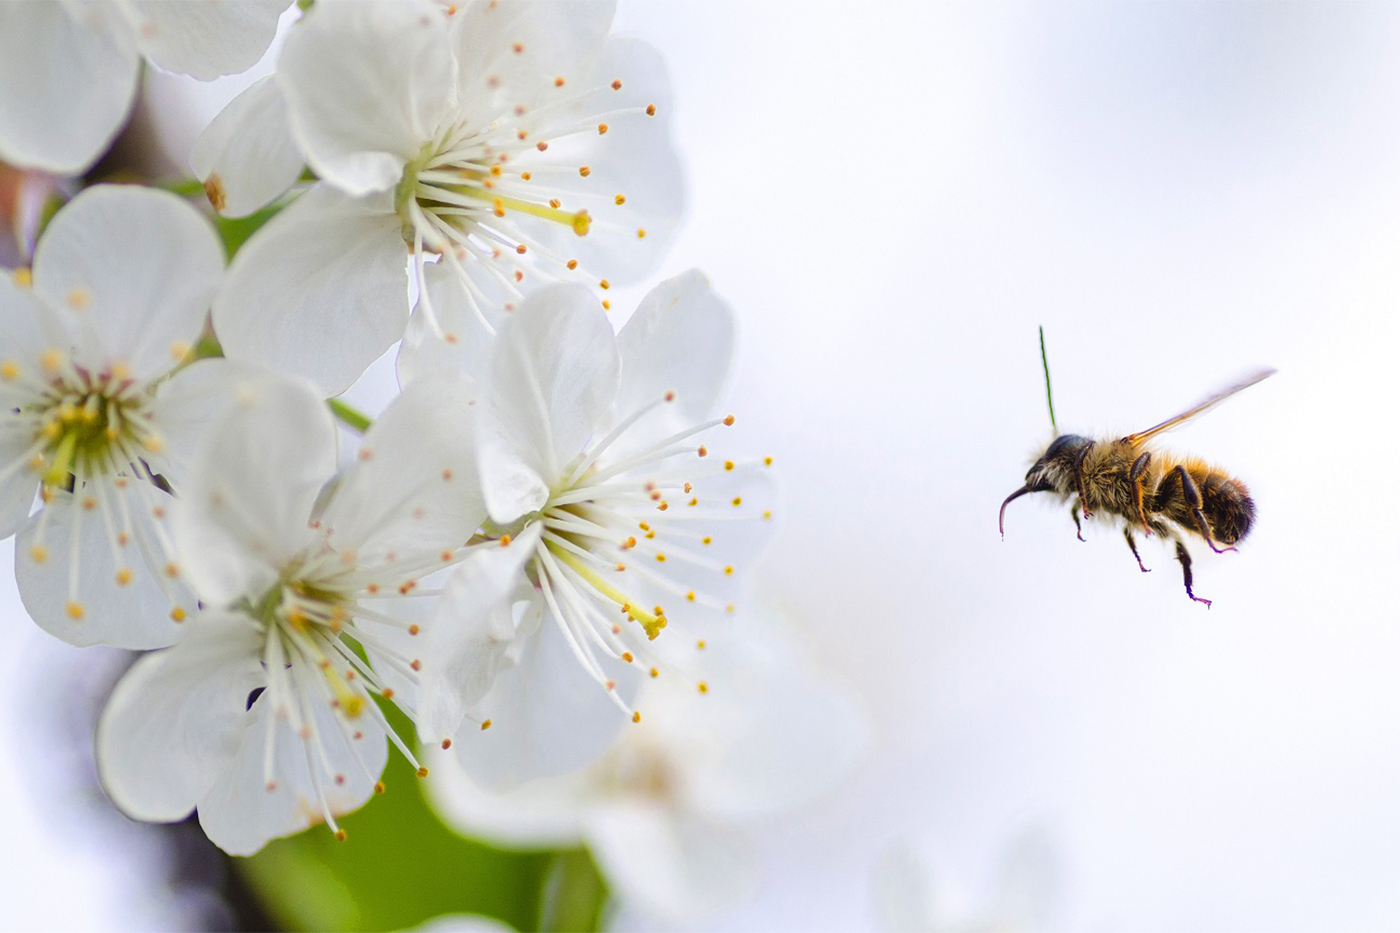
pixel 1200 408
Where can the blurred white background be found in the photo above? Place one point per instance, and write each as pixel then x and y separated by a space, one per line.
pixel 893 198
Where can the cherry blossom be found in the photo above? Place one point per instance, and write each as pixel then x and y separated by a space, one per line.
pixel 524 146
pixel 264 716
pixel 69 71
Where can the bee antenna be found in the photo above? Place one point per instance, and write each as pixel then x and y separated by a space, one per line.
pixel 1049 399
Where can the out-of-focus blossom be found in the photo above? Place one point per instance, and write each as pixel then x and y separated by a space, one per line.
pixel 669 810
pixel 120 287
pixel 264 715
pixel 611 520
pixel 522 146
pixel 69 71
pixel 23 195
pixel 910 898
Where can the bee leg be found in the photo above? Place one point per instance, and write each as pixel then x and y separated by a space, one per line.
pixel 1079 477
pixel 1074 514
pixel 1135 475
pixel 1132 546
pixel 1193 500
pixel 1185 558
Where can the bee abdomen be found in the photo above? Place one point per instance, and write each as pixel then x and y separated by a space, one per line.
pixel 1227 507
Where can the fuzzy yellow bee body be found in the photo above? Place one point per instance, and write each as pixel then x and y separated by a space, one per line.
pixel 1126 479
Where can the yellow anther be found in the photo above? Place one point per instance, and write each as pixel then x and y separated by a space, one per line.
pixel 177 614
pixel 729 571
pixel 123 577
pixel 9 370
pixel 50 360
pixel 485 724
pixel 214 191
pixel 604 283
pixel 619 199
pixel 641 233
pixel 700 645
pixel 655 672
pixel 38 553
pixel 729 464
pixel 737 500
pixel 767 514
pixel 703 687
pixel 422 772
pixel 636 716
pixel 767 461
pixel 706 540
pixel 690 596
pixel 584 171
pixel 602 128
pixel 75 610
pixel 379 787
pixel 22 277
pixel 78 298
pixel 651 110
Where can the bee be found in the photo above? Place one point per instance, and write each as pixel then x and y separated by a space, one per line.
pixel 1166 495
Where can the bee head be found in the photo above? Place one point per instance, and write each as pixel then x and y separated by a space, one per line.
pixel 1052 471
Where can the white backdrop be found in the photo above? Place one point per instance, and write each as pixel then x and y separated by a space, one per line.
pixel 893 198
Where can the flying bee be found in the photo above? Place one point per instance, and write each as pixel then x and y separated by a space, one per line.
pixel 1162 494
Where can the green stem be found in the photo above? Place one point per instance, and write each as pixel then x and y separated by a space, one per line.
pixel 353 419
pixel 574 894
pixel 185 187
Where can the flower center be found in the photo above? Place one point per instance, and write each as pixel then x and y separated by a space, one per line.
pixel 84 424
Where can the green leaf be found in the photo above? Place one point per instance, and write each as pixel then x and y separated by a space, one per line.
pixel 398 867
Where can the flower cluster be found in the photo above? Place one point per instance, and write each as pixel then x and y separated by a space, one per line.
pixel 543 520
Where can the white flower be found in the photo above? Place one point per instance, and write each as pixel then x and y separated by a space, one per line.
pixel 522 146
pixel 264 715
pixel 69 71
pixel 613 520
pixel 121 284
pixel 669 810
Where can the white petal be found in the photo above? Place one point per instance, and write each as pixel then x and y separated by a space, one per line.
pixel 83 570
pixel 320 291
pixel 547 813
pixel 240 815
pixel 508 53
pixel 22 339
pixel 176 719
pixel 635 158
pixel 682 339
pixel 548 717
pixel 244 507
pixel 138 267
pixel 358 108
pixel 205 39
pixel 674 865
pixel 65 85
pixel 246 156
pixel 786 743
pixel 193 402
pixel 414 485
pixel 468 344
pixel 552 381
pixel 471 637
